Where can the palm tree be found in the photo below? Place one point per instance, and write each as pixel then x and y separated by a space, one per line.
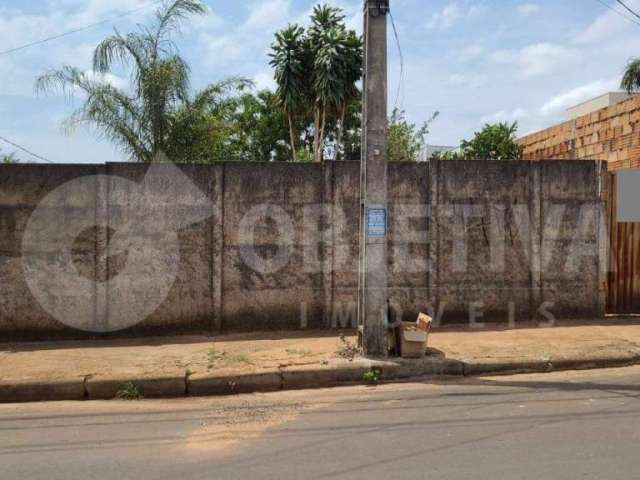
pixel 631 79
pixel 289 59
pixel 351 74
pixel 317 72
pixel 326 44
pixel 140 120
pixel 205 127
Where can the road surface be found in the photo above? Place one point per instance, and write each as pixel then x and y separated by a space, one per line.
pixel 573 425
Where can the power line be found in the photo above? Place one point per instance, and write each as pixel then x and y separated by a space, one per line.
pixel 401 80
pixel 632 12
pixel 20 147
pixel 610 7
pixel 77 30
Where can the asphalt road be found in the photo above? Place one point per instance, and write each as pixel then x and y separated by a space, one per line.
pixel 575 425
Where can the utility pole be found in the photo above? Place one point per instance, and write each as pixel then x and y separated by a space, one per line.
pixel 372 281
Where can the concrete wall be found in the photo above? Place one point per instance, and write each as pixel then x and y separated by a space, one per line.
pixel 450 223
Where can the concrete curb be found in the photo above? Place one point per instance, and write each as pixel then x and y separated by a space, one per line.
pixel 332 375
pixel 50 391
pixel 98 388
pixel 322 377
pixel 405 369
pixel 547 365
pixel 205 384
pixel 471 369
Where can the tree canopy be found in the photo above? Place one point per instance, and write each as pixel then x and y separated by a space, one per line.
pixel 317 71
pixel 406 140
pixel 315 114
pixel 157 113
pixel 631 78
pixel 495 141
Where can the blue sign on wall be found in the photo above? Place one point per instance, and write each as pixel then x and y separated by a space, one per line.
pixel 377 222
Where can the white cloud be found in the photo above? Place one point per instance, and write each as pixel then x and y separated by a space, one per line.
pixel 468 81
pixel 108 78
pixel 210 21
pixel 254 34
pixel 75 13
pixel 446 18
pixel 609 24
pixel 17 78
pixel 537 59
pixel 476 10
pixel 264 80
pixel 77 54
pixel 268 15
pixel 93 10
pixel 222 50
pixel 351 9
pixel 505 116
pixel 528 8
pixel 453 13
pixel 20 29
pixel 103 78
pixel 472 51
pixel 577 95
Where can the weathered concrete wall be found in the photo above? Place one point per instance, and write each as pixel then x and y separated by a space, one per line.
pixel 21 190
pixel 190 303
pixel 518 240
pixel 278 249
pixel 409 247
pixel 574 237
pixel 481 256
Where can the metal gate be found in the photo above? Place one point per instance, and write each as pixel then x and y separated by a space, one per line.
pixel 623 295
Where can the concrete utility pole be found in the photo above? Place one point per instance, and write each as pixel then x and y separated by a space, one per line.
pixel 372 283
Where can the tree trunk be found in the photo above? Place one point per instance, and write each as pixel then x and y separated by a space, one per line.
pixel 316 133
pixel 292 139
pixel 340 131
pixel 320 156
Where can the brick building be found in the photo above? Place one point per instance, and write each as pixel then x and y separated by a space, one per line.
pixel 592 132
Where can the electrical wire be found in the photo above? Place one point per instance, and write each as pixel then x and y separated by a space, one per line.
pixel 400 91
pixel 610 7
pixel 20 147
pixel 77 30
pixel 632 12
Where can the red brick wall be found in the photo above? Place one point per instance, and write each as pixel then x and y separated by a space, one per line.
pixel 611 134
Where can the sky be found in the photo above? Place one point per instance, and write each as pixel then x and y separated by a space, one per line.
pixel 474 61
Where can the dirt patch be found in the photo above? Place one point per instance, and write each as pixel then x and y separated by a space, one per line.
pixel 243 422
pixel 223 355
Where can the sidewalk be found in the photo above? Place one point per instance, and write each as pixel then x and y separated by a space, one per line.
pixel 198 365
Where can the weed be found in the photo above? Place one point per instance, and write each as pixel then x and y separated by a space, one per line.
pixel 129 391
pixel 346 349
pixel 239 358
pixel 372 375
pixel 215 357
pixel 302 352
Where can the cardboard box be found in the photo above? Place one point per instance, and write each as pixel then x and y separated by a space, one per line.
pixel 413 341
pixel 424 322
